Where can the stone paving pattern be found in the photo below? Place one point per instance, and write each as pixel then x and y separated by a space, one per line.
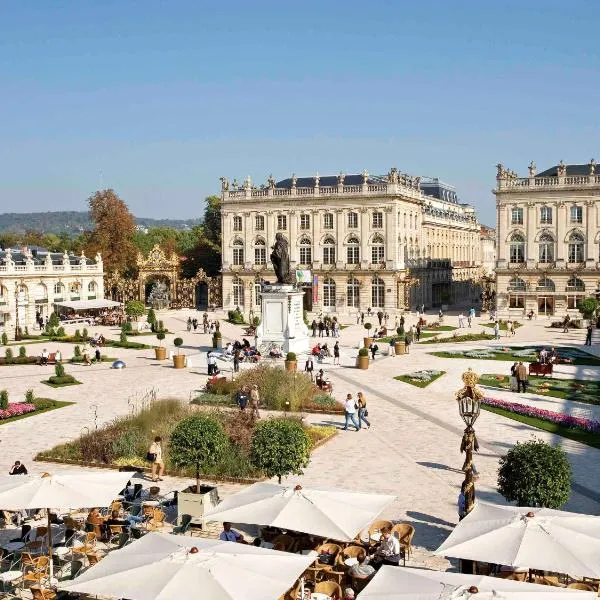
pixel 411 450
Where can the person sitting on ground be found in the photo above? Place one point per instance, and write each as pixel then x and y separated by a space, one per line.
pixel 44 357
pixel 231 535
pixel 18 469
pixel 229 349
pixel 245 343
pixel 388 550
pixel 362 569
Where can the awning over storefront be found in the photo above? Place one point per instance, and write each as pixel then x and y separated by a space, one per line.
pixel 88 304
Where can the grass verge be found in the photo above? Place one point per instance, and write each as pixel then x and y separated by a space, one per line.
pixel 59 385
pixel 584 437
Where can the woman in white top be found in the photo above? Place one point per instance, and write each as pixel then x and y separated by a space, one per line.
pixel 158 467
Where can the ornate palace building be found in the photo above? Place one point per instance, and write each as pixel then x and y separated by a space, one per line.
pixel 548 234
pixel 32 280
pixel 388 242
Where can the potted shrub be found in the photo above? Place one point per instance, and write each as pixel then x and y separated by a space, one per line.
pixel 217 340
pixel 178 359
pixel 362 362
pixel 160 351
pixel 197 443
pixel 399 345
pixel 291 361
pixel 368 340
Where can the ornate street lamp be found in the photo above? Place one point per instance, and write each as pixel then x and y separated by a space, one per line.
pixel 469 404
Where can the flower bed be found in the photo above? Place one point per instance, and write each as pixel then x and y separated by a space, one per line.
pixel 569 421
pixel 421 378
pixel 16 409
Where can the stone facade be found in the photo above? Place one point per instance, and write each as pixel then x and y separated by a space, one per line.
pixel 367 241
pixel 33 280
pixel 548 234
pixel 488 250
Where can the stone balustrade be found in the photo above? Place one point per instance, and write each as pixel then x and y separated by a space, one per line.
pixel 45 269
pixel 539 183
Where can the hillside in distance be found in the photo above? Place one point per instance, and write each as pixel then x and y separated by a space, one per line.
pixel 74 222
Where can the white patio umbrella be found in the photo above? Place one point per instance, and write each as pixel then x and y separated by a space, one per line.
pixel 162 566
pixel 536 538
pixel 332 513
pixel 73 489
pixel 393 583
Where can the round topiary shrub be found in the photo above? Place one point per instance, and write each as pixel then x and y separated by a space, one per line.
pixel 290 357
pixel 363 352
pixel 160 336
pixel 280 447
pixel 196 443
pixel 178 342
pixel 367 326
pixel 535 474
pixel 22 352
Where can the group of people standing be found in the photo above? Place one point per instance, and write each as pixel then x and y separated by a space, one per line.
pixel 356 412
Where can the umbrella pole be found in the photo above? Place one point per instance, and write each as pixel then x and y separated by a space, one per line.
pixel 301 588
pixel 50 549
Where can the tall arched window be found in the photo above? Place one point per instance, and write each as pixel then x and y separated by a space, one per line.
pixel 575 292
pixel 329 294
pixel 260 252
pixel 305 251
pixel 74 288
pixel 257 292
pixel 517 248
pixel 329 251
pixel 516 293
pixel 576 248
pixel 91 290
pixel 545 285
pixel 377 293
pixel 377 250
pixel 546 248
pixel 237 288
pixel 353 251
pixel 353 293
pixel 59 289
pixel 238 252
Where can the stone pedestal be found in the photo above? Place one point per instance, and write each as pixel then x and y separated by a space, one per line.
pixel 282 320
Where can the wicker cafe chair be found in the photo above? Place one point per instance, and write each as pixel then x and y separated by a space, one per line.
pixel 39 593
pixel 288 542
pixel 38 572
pixel 578 585
pixel 329 587
pixel 89 543
pixel 376 527
pixel 405 533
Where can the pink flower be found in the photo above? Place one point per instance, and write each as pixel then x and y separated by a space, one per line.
pixel 548 415
pixel 15 409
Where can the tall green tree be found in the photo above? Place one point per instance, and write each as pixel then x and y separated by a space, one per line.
pixel 212 220
pixel 114 228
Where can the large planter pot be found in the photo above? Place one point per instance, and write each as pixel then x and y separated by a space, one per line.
pixel 362 362
pixel 367 341
pixel 195 505
pixel 400 347
pixel 291 365
pixel 179 361
pixel 218 343
pixel 160 353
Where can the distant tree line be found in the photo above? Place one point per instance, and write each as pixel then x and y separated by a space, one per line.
pixel 111 230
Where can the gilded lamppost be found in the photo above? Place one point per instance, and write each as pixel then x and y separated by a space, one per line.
pixel 469 404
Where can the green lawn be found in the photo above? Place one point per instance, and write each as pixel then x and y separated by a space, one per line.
pixel 59 385
pixel 584 437
pixel 55 404
pixel 442 328
pixel 578 390
pixel 417 382
pixel 518 353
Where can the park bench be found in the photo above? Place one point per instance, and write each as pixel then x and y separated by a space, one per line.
pixel 541 369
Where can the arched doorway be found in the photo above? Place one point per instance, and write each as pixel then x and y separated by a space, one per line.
pixel 202 295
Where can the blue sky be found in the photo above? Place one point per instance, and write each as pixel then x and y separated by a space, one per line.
pixel 157 99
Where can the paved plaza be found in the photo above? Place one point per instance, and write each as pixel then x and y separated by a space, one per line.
pixel 411 450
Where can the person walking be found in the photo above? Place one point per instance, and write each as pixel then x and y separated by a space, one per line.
pixel 373 348
pixel 189 324
pixel 155 457
pixel 236 361
pixel 350 413
pixel 392 347
pixel 419 332
pixel 512 328
pixel 363 413
pixel 588 335
pixel 362 318
pixel 242 398
pixel 336 353
pixel 309 367
pixel 521 377
pixel 313 326
pixel 407 342
pixel 255 401
pixel 321 328
pixel 496 330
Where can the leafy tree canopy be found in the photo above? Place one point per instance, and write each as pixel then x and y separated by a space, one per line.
pixel 280 447
pixel 535 474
